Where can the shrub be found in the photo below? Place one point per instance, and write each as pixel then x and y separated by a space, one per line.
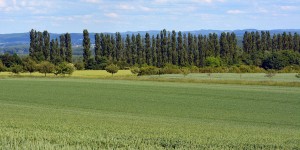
pixel 79 65
pixel 149 70
pixel 213 61
pixel 234 69
pixel 297 75
pixel 245 69
pixel 112 69
pixel 290 69
pixel 281 59
pixel 16 69
pixel 135 70
pixel 194 69
pixel 170 69
pixel 2 67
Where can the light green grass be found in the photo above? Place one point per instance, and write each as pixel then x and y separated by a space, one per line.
pixel 110 114
pixel 282 79
pixel 279 77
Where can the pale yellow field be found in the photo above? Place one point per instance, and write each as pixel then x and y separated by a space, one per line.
pixel 77 73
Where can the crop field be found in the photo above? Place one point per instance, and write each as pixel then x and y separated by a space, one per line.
pixel 67 113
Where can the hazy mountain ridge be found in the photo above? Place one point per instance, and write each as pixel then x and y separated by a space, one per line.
pixel 19 42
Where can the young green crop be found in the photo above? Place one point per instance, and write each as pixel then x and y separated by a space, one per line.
pixel 114 114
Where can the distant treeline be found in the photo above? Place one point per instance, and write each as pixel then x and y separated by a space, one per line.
pixel 260 49
pixel 192 50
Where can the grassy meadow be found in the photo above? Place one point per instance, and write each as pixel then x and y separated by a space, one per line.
pixel 69 113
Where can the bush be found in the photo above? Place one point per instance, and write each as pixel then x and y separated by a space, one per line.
pixel 213 61
pixel 281 59
pixel 112 69
pixel 135 70
pixel 297 75
pixel 16 69
pixel 170 69
pixel 79 65
pixel 149 70
pixel 290 69
pixel 245 69
pixel 2 67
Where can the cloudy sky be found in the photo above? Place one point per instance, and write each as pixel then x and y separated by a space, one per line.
pixel 60 16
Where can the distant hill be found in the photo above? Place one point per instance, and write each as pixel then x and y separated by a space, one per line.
pixel 19 42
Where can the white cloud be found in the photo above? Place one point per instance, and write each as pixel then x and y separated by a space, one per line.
pixel 112 15
pixel 207 1
pixel 162 1
pixel 288 7
pixel 126 7
pixel 91 1
pixel 2 3
pixel 146 9
pixel 235 12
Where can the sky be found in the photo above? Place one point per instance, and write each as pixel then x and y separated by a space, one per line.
pixel 61 16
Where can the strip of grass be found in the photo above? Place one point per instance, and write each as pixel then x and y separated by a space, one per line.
pixel 284 79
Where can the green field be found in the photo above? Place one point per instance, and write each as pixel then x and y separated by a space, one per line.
pixel 60 113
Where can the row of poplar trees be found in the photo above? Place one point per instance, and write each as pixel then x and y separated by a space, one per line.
pixel 256 44
pixel 54 50
pixel 179 49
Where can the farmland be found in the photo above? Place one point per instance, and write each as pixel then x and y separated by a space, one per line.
pixel 72 113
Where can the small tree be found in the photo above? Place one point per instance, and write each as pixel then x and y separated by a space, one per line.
pixel 46 67
pixel 64 68
pixel 16 69
pixel 29 65
pixel 112 69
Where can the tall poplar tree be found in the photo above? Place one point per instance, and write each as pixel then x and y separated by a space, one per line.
pixel 174 50
pixel 68 50
pixel 86 43
pixel 46 46
pixel 62 47
pixel 97 48
pixel 148 49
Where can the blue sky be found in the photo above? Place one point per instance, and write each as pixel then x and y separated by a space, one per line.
pixel 60 16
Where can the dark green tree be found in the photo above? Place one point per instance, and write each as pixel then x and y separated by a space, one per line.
pixel 174 49
pixel 62 47
pixel 86 43
pixel 98 48
pixel 133 50
pixel 68 49
pixel 128 54
pixel 148 50
pixel 154 51
pixel 180 50
pixel 46 46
